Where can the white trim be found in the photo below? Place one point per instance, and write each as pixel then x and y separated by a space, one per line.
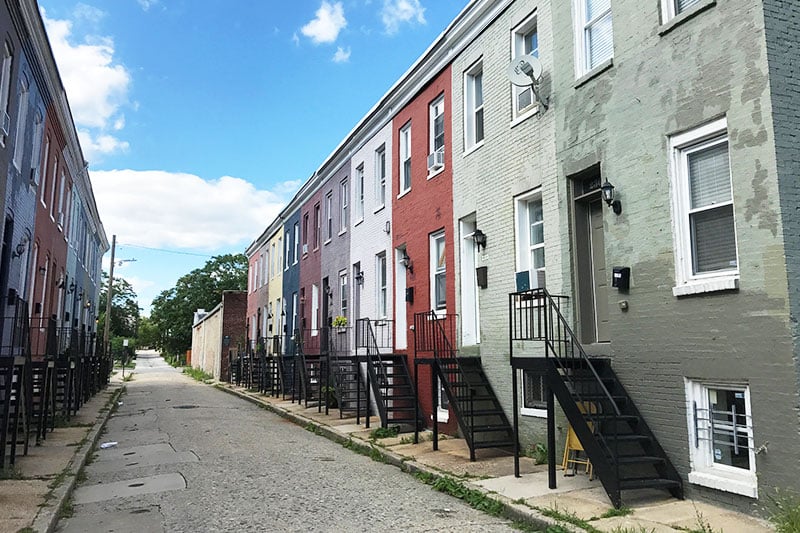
pixel 580 26
pixel 471 110
pixel 404 154
pixel 528 26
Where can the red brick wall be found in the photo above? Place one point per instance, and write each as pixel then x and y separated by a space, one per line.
pixel 234 324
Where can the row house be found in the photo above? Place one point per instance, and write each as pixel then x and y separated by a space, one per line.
pixel 616 237
pixel 53 239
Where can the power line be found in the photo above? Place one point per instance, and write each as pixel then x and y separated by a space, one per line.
pixel 164 250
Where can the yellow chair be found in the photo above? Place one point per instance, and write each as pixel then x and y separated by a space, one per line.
pixel 573 446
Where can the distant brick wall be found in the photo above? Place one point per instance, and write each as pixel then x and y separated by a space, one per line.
pixel 234 325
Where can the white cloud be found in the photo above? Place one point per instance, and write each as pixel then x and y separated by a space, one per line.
pixel 396 12
pixel 97 86
pixel 327 24
pixel 88 13
pixel 161 209
pixel 147 4
pixel 342 55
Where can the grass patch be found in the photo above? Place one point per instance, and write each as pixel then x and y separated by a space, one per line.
pixel 622 511
pixel 632 529
pixel 58 480
pixel 384 433
pixel 472 497
pixel 783 509
pixel 537 452
pixel 568 517
pixel 198 374
pixel 313 428
pixel 67 509
pixel 26 530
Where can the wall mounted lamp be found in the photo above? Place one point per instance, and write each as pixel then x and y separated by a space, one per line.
pixel 388 228
pixel 42 270
pixel 20 248
pixel 360 278
pixel 406 262
pixel 88 304
pixel 480 239
pixel 608 195
pixel 80 296
pixel 71 288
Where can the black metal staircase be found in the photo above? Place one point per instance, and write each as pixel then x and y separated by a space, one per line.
pixel 623 450
pixel 389 380
pixel 480 415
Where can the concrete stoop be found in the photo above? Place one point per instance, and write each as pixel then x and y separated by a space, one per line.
pixel 526 499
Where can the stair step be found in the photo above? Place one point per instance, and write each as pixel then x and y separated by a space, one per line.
pixel 487 429
pixel 648 483
pixel 639 459
pixel 493 444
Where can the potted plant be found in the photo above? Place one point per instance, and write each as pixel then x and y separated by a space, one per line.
pixel 339 323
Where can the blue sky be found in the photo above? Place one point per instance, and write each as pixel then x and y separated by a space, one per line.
pixel 201 118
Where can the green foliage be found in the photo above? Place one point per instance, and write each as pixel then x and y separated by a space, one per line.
pixel 784 511
pixel 147 336
pixel 198 374
pixel 124 308
pixel 622 511
pixel 537 452
pixel 632 529
pixel 384 433
pixel 173 309
pixel 473 497
pixel 339 321
pixel 563 515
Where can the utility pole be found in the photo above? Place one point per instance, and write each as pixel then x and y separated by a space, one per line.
pixel 109 295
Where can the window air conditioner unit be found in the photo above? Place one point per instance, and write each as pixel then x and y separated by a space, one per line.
pixel 305 248
pixel 6 123
pixel 34 178
pixel 436 160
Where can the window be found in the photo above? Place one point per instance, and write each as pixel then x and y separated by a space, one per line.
pixel 329 214
pixel 473 104
pixel 296 237
pixel 22 119
pixel 5 90
pixel 380 175
pixel 530 238
pixel 534 402
pixel 438 273
pixel 360 192
pixel 405 158
pixel 278 258
pixel 314 308
pixel 272 269
pixel 594 36
pixel 343 292
pixel 38 129
pixel 317 225
pixel 721 444
pixel 672 8
pixel 436 135
pixel 305 233
pixel 53 183
pixel 288 252
pixel 380 270
pixel 264 267
pixel 43 186
pixel 60 218
pixel 344 200
pixel 294 313
pixel 524 41
pixel 704 228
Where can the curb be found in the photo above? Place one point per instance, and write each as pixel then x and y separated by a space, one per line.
pixel 511 510
pixel 47 517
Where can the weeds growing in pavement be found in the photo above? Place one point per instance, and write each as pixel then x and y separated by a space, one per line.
pixel 632 529
pixel 568 517
pixel 783 509
pixel 473 497
pixel 198 373
pixel 622 511
pixel 537 452
pixel 384 433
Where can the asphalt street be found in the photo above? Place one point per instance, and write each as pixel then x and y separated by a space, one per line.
pixel 183 456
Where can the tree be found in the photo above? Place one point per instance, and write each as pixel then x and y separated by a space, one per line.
pixel 124 309
pixel 173 309
pixel 147 336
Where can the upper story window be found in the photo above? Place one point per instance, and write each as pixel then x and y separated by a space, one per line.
pixel 380 271
pixel 38 130
pixel 530 238
pixel 702 200
pixel 594 36
pixel 343 292
pixel 329 215
pixel 405 158
pixel 380 175
pixel 272 270
pixel 265 266
pixel 5 90
pixel 53 183
pixel 673 8
pixel 305 233
pixel 438 272
pixel 22 120
pixel 344 203
pixel 317 225
pixel 296 237
pixel 359 192
pixel 473 106
pixel 436 135
pixel 524 41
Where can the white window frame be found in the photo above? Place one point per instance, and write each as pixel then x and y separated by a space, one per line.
pixel 523 246
pixel 294 314
pixel 279 257
pixel 317 225
pixel 381 285
pixel 314 308
pixel 296 236
pixel 380 176
pixel 519 47
pixel 540 411
pixel 344 296
pixel 436 271
pixel 288 247
pixel 5 86
pixel 329 217
pixel 344 205
pixel 473 111
pixel 43 184
pixel 687 282
pixel 435 111
pixel 359 193
pixel 669 9
pixel 405 158
pixel 583 63
pixel 704 471
pixel 22 121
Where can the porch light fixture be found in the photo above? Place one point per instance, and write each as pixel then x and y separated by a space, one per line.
pixel 71 288
pixel 480 239
pixel 20 248
pixel 406 262
pixel 360 278
pixel 608 195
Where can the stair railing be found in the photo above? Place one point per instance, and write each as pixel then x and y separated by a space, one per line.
pixel 563 347
pixel 365 338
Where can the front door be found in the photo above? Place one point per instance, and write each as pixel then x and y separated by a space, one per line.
pixel 592 279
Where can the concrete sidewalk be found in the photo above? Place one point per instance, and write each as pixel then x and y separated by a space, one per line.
pixel 577 500
pixel 34 490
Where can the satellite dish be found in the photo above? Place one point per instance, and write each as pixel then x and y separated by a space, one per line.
pixel 524 70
